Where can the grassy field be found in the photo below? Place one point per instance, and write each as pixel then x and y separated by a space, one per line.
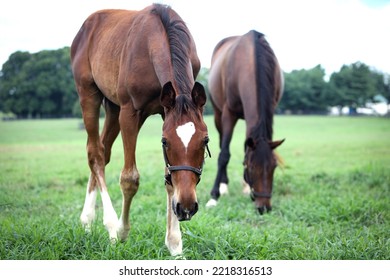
pixel 331 200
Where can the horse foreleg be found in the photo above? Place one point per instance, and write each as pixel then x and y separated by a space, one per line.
pixel 225 126
pixel 223 182
pixel 129 182
pixel 173 235
pixel 130 123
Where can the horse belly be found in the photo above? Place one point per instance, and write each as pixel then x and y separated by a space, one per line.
pixel 108 86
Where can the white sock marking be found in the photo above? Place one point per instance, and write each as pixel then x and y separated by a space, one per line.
pixel 88 213
pixel 110 218
pixel 223 188
pixel 211 203
pixel 185 132
pixel 173 235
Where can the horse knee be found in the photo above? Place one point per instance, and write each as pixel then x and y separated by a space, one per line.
pixel 129 182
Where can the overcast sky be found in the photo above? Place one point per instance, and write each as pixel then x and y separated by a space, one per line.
pixel 303 33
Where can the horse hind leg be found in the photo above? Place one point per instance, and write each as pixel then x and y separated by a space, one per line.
pixel 110 132
pixel 90 105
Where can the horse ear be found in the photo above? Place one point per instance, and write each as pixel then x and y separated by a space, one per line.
pixel 168 96
pixel 199 95
pixel 273 145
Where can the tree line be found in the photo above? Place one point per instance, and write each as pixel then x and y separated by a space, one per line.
pixel 40 85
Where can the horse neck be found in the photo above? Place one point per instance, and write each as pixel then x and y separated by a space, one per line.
pixel 259 131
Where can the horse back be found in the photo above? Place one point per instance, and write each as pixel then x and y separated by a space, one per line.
pixel 126 54
pixel 232 66
pixel 233 74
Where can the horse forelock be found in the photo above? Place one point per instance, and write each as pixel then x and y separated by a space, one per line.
pixel 184 106
pixel 180 45
pixel 262 154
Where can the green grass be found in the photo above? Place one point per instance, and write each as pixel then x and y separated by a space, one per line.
pixel 331 200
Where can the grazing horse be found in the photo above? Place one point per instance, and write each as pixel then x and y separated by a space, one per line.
pixel 139 63
pixel 246 82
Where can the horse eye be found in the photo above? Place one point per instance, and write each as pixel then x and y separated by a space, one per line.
pixel 164 141
pixel 206 140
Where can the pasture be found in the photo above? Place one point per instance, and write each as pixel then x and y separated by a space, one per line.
pixel 331 200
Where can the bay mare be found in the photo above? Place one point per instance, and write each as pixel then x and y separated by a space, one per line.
pixel 246 82
pixel 139 63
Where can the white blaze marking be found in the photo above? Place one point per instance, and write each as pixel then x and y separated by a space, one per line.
pixel 185 132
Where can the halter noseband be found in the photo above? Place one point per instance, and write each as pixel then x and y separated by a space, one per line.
pixel 171 168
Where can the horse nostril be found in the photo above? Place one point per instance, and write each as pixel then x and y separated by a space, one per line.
pixel 178 211
pixel 184 214
pixel 261 210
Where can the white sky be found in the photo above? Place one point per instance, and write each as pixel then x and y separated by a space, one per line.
pixel 303 33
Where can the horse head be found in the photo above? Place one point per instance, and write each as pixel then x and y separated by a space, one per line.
pixel 184 141
pixel 259 166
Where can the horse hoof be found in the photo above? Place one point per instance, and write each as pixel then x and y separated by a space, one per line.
pixel 211 203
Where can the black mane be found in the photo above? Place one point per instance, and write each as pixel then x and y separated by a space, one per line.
pixel 265 69
pixel 180 44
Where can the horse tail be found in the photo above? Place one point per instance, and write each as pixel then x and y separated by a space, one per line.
pixel 265 69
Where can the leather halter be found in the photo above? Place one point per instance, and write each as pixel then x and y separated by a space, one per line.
pixel 172 168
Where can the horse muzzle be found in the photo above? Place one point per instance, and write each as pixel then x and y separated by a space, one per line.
pixel 264 209
pixel 185 213
pixel 262 201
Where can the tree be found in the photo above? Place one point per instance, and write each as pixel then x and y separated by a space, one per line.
pixel 353 86
pixel 203 78
pixel 9 79
pixel 38 85
pixel 382 85
pixel 305 91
